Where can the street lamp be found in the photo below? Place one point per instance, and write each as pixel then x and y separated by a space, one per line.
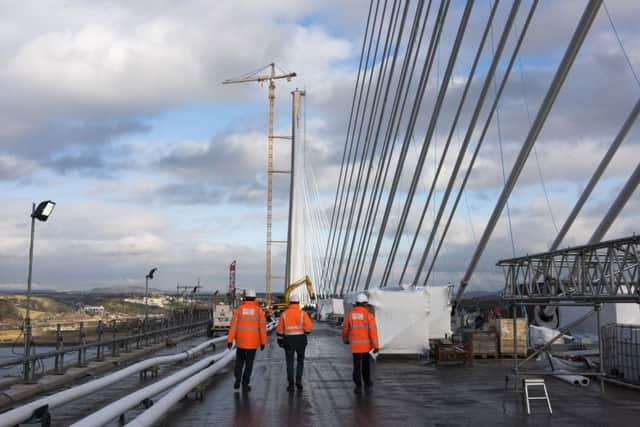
pixel 42 213
pixel 146 294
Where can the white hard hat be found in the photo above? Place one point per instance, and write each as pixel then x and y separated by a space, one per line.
pixel 250 293
pixel 294 298
pixel 362 298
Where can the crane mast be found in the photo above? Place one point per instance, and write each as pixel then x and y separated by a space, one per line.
pixel 271 77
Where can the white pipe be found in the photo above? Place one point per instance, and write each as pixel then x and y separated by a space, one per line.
pixel 162 406
pixel 138 398
pixel 559 364
pixel 115 409
pixel 574 379
pixel 22 413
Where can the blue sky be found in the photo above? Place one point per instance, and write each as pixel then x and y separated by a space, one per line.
pixel 117 112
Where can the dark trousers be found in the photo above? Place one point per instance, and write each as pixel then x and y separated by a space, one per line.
pixel 244 358
pixel 361 369
pixel 289 353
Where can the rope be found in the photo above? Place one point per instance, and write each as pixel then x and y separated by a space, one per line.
pixel 467 138
pixel 624 51
pixel 346 159
pixel 389 144
pixel 368 142
pixel 453 129
pixel 535 150
pixel 343 209
pixel 435 115
pixel 499 129
pixel 503 83
pixel 472 123
pixel 444 7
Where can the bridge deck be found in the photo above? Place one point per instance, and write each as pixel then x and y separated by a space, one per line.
pixel 406 392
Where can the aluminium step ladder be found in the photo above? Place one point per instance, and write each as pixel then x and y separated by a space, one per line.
pixel 535 382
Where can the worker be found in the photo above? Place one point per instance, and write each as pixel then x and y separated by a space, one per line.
pixel 249 330
pixel 359 330
pixel 293 327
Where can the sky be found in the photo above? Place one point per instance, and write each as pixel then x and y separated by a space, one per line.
pixel 115 110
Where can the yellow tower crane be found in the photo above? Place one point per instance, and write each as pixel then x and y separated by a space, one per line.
pixel 271 76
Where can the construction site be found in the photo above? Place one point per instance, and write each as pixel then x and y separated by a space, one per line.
pixel 454 334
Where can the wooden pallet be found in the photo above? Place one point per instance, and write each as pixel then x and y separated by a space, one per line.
pixel 485 355
pixel 510 356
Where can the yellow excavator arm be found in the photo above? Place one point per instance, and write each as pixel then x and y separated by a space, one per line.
pixel 292 287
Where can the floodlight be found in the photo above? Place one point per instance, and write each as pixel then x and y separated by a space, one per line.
pixel 44 210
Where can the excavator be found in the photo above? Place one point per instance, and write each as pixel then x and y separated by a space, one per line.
pixel 281 306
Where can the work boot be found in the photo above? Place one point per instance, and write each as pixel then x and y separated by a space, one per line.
pixel 236 385
pixel 357 390
pixel 368 385
pixel 299 386
pixel 246 388
pixel 290 386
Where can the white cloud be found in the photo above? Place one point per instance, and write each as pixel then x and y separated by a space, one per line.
pixel 79 79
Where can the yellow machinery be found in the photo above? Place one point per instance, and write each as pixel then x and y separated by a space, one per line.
pixel 278 307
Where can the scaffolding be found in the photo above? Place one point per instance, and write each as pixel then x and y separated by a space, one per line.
pixel 588 275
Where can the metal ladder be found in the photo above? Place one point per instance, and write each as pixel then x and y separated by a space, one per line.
pixel 535 382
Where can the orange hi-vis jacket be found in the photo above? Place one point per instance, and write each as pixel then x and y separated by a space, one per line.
pixel 294 321
pixel 359 330
pixel 248 326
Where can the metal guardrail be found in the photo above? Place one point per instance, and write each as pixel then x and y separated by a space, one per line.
pixel 38 410
pixel 136 335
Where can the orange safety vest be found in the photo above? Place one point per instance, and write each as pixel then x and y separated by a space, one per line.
pixel 359 330
pixel 294 321
pixel 248 326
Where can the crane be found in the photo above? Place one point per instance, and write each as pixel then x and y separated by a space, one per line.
pixel 265 74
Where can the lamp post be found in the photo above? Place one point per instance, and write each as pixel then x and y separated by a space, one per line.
pixel 42 213
pixel 146 295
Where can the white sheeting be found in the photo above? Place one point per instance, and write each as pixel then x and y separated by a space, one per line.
pixel 408 318
pixel 337 306
pixel 328 307
pixel 624 313
pixel 540 335
pixel 563 365
pixel 323 310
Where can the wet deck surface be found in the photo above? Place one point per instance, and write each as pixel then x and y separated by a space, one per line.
pixel 406 392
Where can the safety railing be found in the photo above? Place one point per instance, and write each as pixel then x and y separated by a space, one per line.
pixel 38 410
pixel 114 339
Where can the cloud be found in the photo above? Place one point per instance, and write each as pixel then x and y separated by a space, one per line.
pixel 13 168
pixel 94 107
pixel 91 82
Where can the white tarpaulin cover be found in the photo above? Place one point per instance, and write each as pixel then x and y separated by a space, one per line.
pixel 625 313
pixel 540 335
pixel 408 318
pixel 337 306
pixel 327 307
pixel 324 309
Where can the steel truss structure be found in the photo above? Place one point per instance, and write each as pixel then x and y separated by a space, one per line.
pixel 596 273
